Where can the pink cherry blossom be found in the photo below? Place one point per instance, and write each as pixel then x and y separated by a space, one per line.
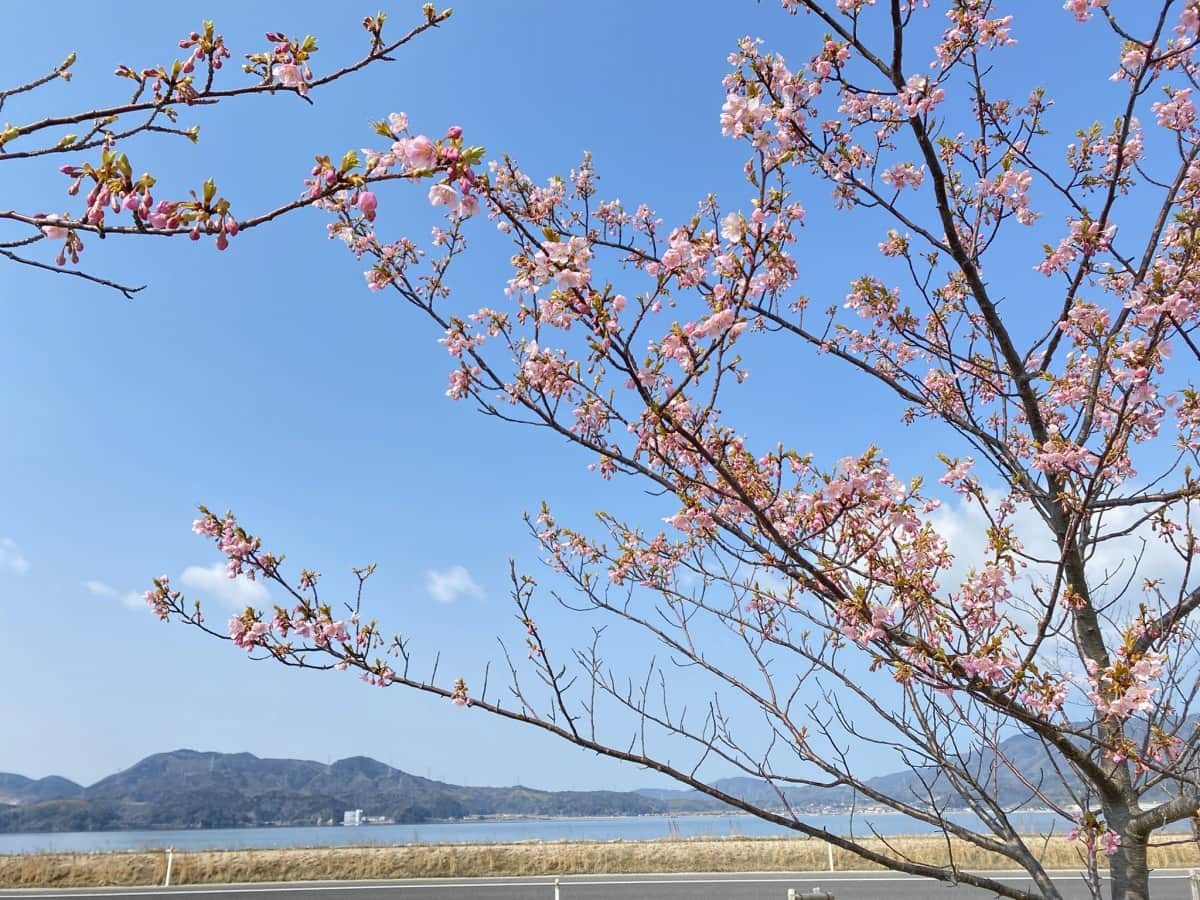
pixel 291 75
pixel 733 228
pixel 443 195
pixel 418 152
pixel 1082 8
pixel 54 232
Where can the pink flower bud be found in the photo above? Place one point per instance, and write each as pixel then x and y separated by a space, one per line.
pixel 231 227
pixel 454 132
pixel 367 203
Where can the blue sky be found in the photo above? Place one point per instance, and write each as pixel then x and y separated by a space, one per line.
pixel 268 379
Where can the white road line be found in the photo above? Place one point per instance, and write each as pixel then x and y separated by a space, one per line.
pixel 302 887
pixel 428 885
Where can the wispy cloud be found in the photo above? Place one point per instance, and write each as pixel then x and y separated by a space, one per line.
pixel 1115 568
pixel 1133 546
pixel 131 599
pixel 213 582
pixel 11 559
pixel 451 584
pixel 209 582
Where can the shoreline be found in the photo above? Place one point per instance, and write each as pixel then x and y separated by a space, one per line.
pixel 511 818
pixel 527 858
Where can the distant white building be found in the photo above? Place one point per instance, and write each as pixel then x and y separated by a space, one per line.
pixel 352 817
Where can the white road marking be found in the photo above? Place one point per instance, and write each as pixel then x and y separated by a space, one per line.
pixel 301 887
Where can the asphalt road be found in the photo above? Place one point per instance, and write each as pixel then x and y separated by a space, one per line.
pixel 1168 885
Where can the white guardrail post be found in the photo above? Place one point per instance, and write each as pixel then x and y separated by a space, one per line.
pixel 170 861
pixel 829 847
pixel 1194 883
pixel 555 889
pixel 817 894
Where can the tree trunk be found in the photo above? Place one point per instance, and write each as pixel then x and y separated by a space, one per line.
pixel 1128 868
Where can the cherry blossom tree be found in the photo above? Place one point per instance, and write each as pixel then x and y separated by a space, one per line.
pixel 826 594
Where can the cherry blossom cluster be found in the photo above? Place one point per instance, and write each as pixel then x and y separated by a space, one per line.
pixel 1094 835
pixel 285 63
pixel 240 549
pixel 345 189
pixel 109 184
pixel 1127 685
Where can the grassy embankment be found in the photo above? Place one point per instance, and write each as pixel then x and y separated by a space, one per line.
pixel 533 858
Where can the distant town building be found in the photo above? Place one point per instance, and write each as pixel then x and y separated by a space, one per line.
pixel 352 817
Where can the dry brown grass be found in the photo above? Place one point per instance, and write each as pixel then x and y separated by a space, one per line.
pixel 484 860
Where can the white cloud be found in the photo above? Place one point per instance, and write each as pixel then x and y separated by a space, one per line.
pixel 1115 569
pixel 449 585
pixel 211 581
pixel 11 558
pixel 236 593
pixel 131 599
pixel 1113 562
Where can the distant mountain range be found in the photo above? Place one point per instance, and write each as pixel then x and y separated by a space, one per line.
pixel 191 789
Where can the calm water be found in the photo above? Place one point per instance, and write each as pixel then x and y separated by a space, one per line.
pixel 639 828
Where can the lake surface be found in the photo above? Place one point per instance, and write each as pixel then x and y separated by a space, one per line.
pixel 633 828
